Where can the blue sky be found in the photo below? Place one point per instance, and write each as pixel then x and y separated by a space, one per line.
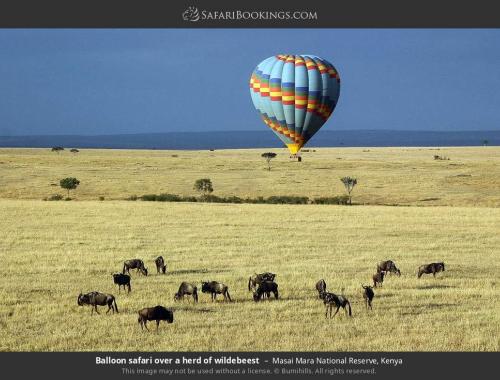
pixel 161 80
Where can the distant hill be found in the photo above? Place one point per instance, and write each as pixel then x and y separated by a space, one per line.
pixel 255 139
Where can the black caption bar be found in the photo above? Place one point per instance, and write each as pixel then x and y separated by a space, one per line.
pixel 256 13
pixel 113 365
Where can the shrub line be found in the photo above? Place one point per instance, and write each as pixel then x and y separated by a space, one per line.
pixel 210 198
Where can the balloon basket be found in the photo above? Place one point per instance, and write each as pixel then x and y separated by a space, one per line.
pixel 296 157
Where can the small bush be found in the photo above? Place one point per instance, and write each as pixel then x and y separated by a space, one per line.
pixel 168 198
pixel 204 186
pixel 286 199
pixel 189 199
pixel 338 200
pixel 101 198
pixel 233 199
pixel 55 197
pixel 436 157
pixel 149 197
pixel 258 200
pixel 165 197
pixel 68 199
pixel 211 199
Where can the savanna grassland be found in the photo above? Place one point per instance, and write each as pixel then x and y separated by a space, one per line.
pixel 386 176
pixel 51 251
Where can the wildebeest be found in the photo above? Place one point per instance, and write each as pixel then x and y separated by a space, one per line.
pixel 368 295
pixel 122 280
pixel 430 268
pixel 95 298
pixel 214 288
pixel 157 313
pixel 330 300
pixel 160 265
pixel 135 264
pixel 378 278
pixel 321 287
pixel 257 279
pixel 266 287
pixel 186 289
pixel 389 267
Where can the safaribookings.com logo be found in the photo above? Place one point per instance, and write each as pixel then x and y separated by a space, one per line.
pixel 192 14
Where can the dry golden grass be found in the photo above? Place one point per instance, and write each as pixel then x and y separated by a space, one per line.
pixel 50 251
pixel 402 176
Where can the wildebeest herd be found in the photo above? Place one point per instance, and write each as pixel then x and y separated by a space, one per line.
pixel 383 268
pixel 261 285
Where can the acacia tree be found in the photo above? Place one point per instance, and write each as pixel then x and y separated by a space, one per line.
pixel 69 183
pixel 74 150
pixel 57 149
pixel 204 186
pixel 485 142
pixel 268 156
pixel 349 184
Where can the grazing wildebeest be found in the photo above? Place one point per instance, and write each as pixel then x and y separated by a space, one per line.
pixel 95 298
pixel 257 279
pixel 389 267
pixel 321 287
pixel 122 280
pixel 330 300
pixel 186 289
pixel 214 288
pixel 160 265
pixel 135 264
pixel 266 287
pixel 157 313
pixel 368 295
pixel 378 278
pixel 430 268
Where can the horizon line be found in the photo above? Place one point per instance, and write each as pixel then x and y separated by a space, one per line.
pixel 255 130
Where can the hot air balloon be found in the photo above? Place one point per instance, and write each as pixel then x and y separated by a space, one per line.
pixel 295 95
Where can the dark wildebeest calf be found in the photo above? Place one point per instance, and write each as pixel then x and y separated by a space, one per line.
pixel 378 278
pixel 257 279
pixel 266 287
pixel 157 313
pixel 121 279
pixel 321 287
pixel 135 264
pixel 368 295
pixel 214 288
pixel 388 267
pixel 95 298
pixel 186 289
pixel 160 265
pixel 330 300
pixel 430 268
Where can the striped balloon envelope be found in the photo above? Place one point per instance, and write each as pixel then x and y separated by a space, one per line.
pixel 295 95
